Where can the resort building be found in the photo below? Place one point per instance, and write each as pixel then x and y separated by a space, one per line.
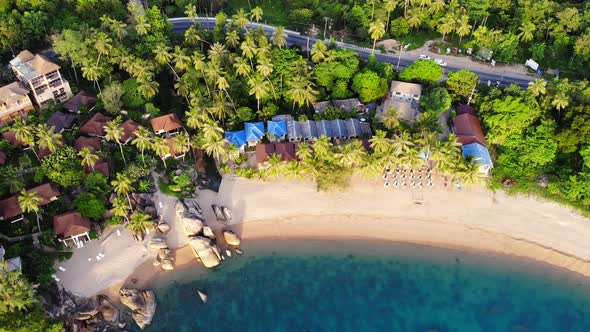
pixel 339 130
pixel 237 138
pixel 95 126
pixel 71 228
pixel 44 152
pixel 100 166
pixel 264 152
pixel 462 109
pixel 277 130
pixel 61 121
pixel 81 99
pixel 168 124
pixel 92 142
pixel 171 142
pixel 343 104
pixel 468 129
pixel 129 129
pixel 41 77
pixel 324 128
pixel 294 132
pixel 10 136
pixel 10 208
pixel 404 98
pixel 481 157
pixel 14 102
pixel 254 132
pixel 286 150
pixel 309 130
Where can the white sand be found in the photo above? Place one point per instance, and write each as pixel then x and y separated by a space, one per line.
pixel 474 218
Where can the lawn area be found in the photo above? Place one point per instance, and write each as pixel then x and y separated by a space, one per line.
pixel 417 38
pixel 274 11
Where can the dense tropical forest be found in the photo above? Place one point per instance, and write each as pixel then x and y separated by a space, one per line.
pixel 216 80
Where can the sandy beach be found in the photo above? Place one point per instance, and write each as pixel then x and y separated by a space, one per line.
pixel 474 219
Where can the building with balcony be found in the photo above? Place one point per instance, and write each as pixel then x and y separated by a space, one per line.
pixel 41 77
pixel 14 102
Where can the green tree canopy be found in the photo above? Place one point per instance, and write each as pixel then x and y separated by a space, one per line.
pixel 63 167
pixel 436 101
pixel 369 86
pixel 90 206
pixel 423 71
pixel 461 83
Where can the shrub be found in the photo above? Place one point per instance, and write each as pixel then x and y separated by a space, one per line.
pixel 114 221
pixel 90 206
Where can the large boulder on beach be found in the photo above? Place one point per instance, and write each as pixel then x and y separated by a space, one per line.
pixel 142 304
pixel 163 228
pixel 231 238
pixel 208 232
pixel 167 264
pixel 143 200
pixel 191 226
pixel 106 308
pixel 157 243
pixel 205 250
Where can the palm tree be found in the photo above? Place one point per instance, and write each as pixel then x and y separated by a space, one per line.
pixel 122 186
pixel 372 166
pixel 47 138
pixel 538 87
pixel 526 32
pixel 275 166
pixel 412 159
pixel 377 30
pixel 88 158
pixel 29 202
pixel 463 28
pixel 91 72
pixel 240 19
pixel 468 172
pixel 402 144
pixel 214 148
pixel 11 178
pixel 142 140
pixel 211 131
pixel 232 38
pixel 390 119
pixel 139 224
pixel 437 6
pixel 256 14
pixel 319 51
pixel 147 87
pixel 17 295
pixel 301 91
pixel 322 147
pixel 182 143
pixel 560 101
pixel 259 88
pixel 141 26
pixel 304 152
pixel 103 44
pixel 389 6
pixel 217 52
pixel 372 2
pixel 161 148
pixel 380 143
pixel 446 26
pixel 120 208
pixel 353 154
pixel 293 171
pixel 164 57
pixel 114 132
pixel 242 67
pixel 24 133
pixel 279 37
pixel 180 59
pixel 191 12
pixel 414 18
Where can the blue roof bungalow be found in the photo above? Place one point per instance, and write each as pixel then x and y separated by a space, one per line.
pixel 254 132
pixel 309 130
pixel 324 128
pixel 277 130
pixel 294 131
pixel 339 129
pixel 237 138
pixel 481 156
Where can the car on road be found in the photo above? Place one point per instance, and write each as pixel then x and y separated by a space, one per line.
pixel 423 57
pixel 440 62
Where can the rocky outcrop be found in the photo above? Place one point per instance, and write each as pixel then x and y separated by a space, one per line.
pixel 142 304
pixel 231 238
pixel 163 227
pixel 165 259
pixel 107 310
pixel 157 243
pixel 208 232
pixel 206 250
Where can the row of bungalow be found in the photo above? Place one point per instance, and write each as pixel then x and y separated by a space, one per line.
pixel 469 133
pixel 285 128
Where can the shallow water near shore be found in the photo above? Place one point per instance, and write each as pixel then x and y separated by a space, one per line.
pixel 318 285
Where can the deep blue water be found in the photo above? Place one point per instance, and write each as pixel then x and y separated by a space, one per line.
pixel 392 288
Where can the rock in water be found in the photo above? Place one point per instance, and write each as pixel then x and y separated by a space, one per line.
pixel 231 238
pixel 168 264
pixel 205 250
pixel 228 252
pixel 239 251
pixel 208 232
pixel 142 304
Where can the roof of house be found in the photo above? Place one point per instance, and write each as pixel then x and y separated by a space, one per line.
pixel 353 126
pixel 294 130
pixel 44 152
pixel 2 157
pixel 264 151
pixel 277 128
pixel 237 138
pixel 321 106
pixel 61 121
pixel 461 109
pixel 407 110
pixel 91 142
pixel 324 128
pixel 12 93
pixel 468 129
pixel 286 150
pixel 282 117
pixel 479 152
pixel 365 129
pixel 309 129
pixel 406 88
pixel 10 136
pixel 100 166
pixel 10 207
pixel 70 224
pixel 254 131
pixel 95 126
pixel 129 128
pixel 339 128
pixel 349 104
pixel 33 65
pixel 170 142
pixel 166 123
pixel 82 98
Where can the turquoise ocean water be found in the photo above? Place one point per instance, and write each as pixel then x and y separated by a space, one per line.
pixel 362 286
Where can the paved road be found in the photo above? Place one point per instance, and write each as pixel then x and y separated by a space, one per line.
pixel 494 75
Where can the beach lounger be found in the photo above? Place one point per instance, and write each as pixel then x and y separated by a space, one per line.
pixel 62 269
pixel 218 212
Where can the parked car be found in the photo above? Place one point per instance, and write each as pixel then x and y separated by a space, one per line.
pixel 440 62
pixel 423 57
